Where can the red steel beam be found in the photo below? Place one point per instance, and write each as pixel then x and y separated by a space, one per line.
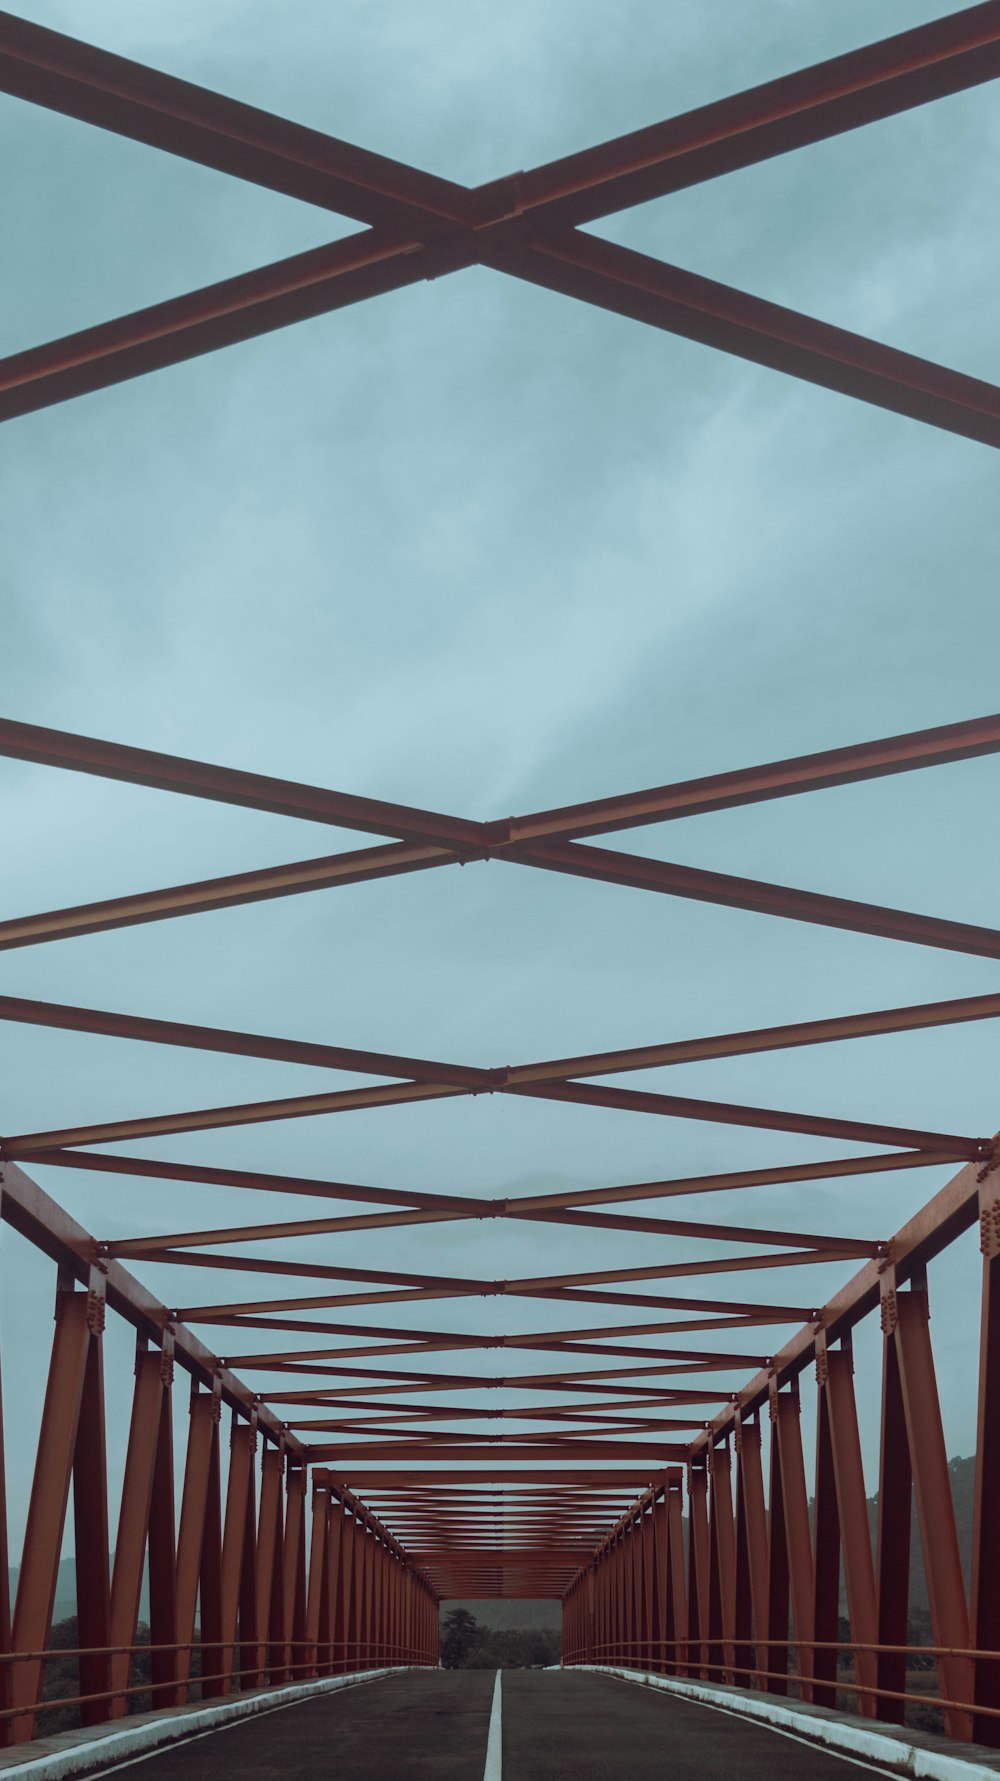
pixel 423 830
pixel 898 75
pixel 231 892
pixel 701 1326
pixel 879 81
pixel 29 1210
pixel 448 1286
pixel 159 1169
pixel 604 865
pixel 633 285
pixel 625 1100
pixel 937 1224
pixel 103 1021
pixel 694 884
pixel 314 1227
pixel 559 1340
pixel 907 753
pixel 235 309
pixel 229 785
pixel 378 1063
pixel 182 119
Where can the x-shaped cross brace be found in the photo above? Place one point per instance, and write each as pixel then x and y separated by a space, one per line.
pixel 527 225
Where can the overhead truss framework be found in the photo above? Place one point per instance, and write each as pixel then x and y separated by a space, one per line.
pixel 575 1494
pixel 530 225
pixel 504 1493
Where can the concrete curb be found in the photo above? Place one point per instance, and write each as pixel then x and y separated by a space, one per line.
pixel 847 1737
pixel 64 1755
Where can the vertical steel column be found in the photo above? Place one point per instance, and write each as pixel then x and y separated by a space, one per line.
pixel 378 1554
pixel 133 1519
pixel 360 1621
pixel 385 1605
pixel 349 1595
pixel 699 1565
pixel 986 1519
pixel 826 1598
pixel 161 1545
pixel 778 1608
pixel 295 1567
pixel 798 1544
pixel 241 1449
pixel 90 1519
pixel 249 1630
pixel 334 1530
pixel 634 1634
pixel 210 1563
pixel 36 1583
pixel 270 1583
pixel 751 1555
pixel 722 1566
pixel 895 1510
pixel 191 1531
pixel 621 1619
pixel 935 1506
pixel 367 1593
pixel 659 1569
pixel 677 1587
pixel 852 1510
pixel 317 1568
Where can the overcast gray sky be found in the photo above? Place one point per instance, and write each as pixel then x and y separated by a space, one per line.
pixel 479 548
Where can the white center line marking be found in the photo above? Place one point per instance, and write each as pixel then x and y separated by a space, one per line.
pixel 494 1743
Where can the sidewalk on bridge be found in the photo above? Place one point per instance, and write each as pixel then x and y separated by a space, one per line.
pixel 73 1753
pixel 904 1752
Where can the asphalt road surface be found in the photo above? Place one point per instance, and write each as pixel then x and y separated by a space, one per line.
pixel 434 1725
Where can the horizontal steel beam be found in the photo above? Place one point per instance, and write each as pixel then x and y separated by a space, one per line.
pixel 172 1242
pixel 949 1144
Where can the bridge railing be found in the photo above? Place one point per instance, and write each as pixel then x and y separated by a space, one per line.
pixel 299 1661
pixel 739 1582
pixel 243 1586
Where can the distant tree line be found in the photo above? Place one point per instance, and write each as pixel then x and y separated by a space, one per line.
pixel 468 1645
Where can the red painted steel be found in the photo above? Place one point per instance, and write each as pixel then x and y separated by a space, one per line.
pixel 283 1569
pixel 421 226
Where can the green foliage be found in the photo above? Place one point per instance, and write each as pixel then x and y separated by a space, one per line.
pixel 458 1635
pixel 467 1645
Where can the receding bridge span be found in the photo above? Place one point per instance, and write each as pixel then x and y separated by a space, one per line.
pixel 303 1485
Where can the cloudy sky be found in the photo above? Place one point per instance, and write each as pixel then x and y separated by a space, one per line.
pixel 479 548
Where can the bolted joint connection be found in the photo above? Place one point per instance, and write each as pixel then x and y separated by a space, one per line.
pixel 167 1355
pixel 989 1223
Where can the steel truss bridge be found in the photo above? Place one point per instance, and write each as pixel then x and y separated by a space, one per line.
pixel 351 1502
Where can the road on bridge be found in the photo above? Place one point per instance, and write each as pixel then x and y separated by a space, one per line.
pixel 435 1725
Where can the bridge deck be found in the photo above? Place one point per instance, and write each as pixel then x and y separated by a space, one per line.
pixel 433 1725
